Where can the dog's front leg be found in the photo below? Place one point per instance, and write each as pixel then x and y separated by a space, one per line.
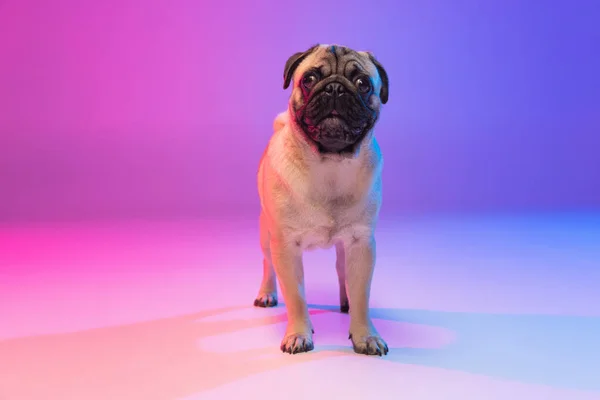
pixel 360 262
pixel 287 261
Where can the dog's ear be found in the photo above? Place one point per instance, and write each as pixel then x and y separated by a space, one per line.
pixel 385 83
pixel 292 63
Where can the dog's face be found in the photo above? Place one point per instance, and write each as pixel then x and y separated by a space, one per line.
pixel 336 97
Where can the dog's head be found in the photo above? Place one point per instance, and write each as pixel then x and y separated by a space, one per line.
pixel 337 94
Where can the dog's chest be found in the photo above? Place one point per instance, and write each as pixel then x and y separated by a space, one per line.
pixel 335 184
pixel 336 199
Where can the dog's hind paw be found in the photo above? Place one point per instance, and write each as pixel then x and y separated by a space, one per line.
pixel 345 307
pixel 265 300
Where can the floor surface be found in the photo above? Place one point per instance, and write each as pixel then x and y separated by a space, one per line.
pixel 489 307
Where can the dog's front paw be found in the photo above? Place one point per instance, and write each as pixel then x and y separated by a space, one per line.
pixel 266 300
pixel 369 343
pixel 294 343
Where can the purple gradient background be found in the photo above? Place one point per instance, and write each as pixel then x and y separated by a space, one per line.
pixel 162 108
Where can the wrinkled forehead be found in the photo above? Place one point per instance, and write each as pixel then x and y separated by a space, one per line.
pixel 330 59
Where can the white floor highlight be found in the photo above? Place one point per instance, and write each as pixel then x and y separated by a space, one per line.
pixel 489 307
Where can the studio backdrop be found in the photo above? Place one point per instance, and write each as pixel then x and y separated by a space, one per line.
pixel 162 108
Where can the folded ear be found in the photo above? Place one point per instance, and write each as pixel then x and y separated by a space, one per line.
pixel 292 63
pixel 385 84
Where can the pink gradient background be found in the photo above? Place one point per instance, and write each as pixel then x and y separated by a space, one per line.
pixel 162 108
pixel 157 111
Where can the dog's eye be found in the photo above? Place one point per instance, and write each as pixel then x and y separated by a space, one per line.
pixel 363 84
pixel 310 80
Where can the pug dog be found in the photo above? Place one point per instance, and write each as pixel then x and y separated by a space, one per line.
pixel 319 183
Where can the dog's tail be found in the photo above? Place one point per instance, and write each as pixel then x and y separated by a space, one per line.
pixel 280 121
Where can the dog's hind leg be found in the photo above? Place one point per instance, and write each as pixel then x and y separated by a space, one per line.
pixel 267 295
pixel 340 266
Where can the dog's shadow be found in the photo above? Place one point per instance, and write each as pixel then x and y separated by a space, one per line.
pixel 161 359
pixel 560 351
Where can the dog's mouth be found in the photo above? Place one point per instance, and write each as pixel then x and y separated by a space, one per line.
pixel 334 133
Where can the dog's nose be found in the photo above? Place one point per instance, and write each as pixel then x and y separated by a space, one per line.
pixel 335 89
